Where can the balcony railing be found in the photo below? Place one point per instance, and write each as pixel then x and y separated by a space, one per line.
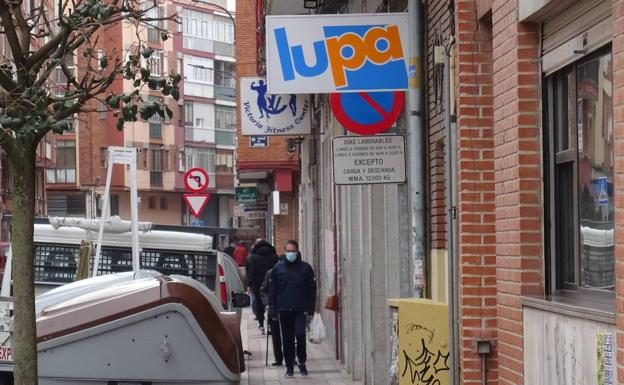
pixel 199 134
pixel 207 45
pixel 225 93
pixel 225 138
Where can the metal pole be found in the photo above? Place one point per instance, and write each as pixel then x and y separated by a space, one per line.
pixel 134 216
pixel 105 214
pixel 451 218
pixel 417 148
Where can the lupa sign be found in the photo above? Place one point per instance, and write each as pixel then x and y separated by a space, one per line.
pixel 272 114
pixel 337 53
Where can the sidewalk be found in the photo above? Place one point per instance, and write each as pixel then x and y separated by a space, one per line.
pixel 323 368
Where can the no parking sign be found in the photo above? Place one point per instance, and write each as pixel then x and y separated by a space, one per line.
pixel 367 113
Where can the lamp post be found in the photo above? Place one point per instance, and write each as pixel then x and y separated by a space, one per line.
pixel 222 8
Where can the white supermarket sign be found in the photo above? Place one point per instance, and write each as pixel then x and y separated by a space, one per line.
pixel 272 114
pixel 337 53
pixel 369 159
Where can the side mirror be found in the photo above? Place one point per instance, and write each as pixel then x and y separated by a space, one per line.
pixel 240 300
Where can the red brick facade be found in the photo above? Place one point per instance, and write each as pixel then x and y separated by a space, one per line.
pixel 618 137
pixel 475 184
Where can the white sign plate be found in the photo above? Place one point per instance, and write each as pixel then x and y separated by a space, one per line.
pixel 265 114
pixel 337 53
pixel 369 159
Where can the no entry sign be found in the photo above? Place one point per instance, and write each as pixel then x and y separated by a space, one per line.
pixel 367 113
pixel 196 181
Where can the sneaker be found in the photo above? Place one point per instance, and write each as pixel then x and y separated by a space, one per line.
pixel 276 363
pixel 290 373
pixel 303 370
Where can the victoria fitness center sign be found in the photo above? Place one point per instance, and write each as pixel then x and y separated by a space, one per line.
pixel 265 114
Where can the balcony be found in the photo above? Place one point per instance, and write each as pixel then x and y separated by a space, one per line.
pixel 225 93
pixel 199 134
pixel 207 45
pixel 225 138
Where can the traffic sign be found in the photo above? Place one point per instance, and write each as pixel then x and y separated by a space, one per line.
pixel 196 180
pixel 367 113
pixel 246 194
pixel 196 202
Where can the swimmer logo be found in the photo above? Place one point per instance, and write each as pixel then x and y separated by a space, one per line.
pixel 337 53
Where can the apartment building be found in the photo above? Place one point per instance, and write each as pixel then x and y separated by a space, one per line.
pixel 201 132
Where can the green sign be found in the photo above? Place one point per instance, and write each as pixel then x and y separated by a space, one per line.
pixel 246 194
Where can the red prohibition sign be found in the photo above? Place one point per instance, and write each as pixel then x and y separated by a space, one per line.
pixel 196 179
pixel 367 113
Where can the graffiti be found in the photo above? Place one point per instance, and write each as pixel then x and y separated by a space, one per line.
pixel 425 368
pixel 415 327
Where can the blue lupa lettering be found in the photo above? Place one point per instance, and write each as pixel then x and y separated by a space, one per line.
pixel 293 56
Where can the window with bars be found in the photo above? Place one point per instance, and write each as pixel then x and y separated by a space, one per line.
pixel 65 170
pixel 188 113
pixel 156 167
pixel 578 121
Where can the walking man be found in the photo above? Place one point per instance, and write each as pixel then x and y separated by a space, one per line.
pixel 292 298
pixel 263 258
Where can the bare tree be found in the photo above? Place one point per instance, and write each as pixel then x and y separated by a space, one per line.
pixel 65 37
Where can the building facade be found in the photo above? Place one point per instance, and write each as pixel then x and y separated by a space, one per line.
pixel 523 126
pixel 274 168
pixel 201 132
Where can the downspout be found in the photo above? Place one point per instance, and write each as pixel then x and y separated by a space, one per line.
pixel 416 147
pixel 451 213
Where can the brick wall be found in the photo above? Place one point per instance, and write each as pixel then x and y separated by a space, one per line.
pixel 518 177
pixel 475 184
pixel 618 136
pixel 438 32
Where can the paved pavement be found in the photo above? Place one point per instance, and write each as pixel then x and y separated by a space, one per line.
pixel 323 368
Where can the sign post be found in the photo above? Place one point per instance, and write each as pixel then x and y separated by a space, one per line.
pixel 196 181
pixel 127 156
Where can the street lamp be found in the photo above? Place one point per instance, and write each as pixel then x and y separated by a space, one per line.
pixel 222 8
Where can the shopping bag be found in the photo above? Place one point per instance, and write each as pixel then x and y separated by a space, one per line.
pixel 316 332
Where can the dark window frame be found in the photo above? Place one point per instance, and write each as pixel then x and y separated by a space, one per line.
pixel 556 283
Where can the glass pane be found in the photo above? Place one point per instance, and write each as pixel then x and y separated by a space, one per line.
pixel 595 173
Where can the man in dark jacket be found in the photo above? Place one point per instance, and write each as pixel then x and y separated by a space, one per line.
pixel 292 297
pixel 263 258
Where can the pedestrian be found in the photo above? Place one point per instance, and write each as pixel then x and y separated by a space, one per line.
pixel 263 258
pixel 240 256
pixel 273 323
pixel 230 249
pixel 292 299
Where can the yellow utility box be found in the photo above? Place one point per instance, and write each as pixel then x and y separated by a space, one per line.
pixel 420 355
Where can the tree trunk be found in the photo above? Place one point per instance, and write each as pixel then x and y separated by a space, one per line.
pixel 24 344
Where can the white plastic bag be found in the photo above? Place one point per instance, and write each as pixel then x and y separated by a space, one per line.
pixel 316 332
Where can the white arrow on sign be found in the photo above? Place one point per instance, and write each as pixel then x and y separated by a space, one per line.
pixel 196 202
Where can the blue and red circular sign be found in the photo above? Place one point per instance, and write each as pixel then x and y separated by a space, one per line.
pixel 367 113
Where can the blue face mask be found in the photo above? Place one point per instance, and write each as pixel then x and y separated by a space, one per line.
pixel 291 256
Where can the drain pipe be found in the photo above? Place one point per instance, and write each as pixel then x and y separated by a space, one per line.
pixel 416 146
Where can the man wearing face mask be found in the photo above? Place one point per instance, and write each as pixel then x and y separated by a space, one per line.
pixel 292 299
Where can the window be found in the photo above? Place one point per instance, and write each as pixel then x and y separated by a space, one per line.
pixel 579 176
pixel 225 117
pixel 156 166
pixel 114 205
pixel 224 163
pixel 163 203
pixel 200 157
pixel 155 27
pixel 103 157
pixel 70 205
pixel 102 110
pixel 155 121
pixel 151 203
pixel 188 113
pixel 65 171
